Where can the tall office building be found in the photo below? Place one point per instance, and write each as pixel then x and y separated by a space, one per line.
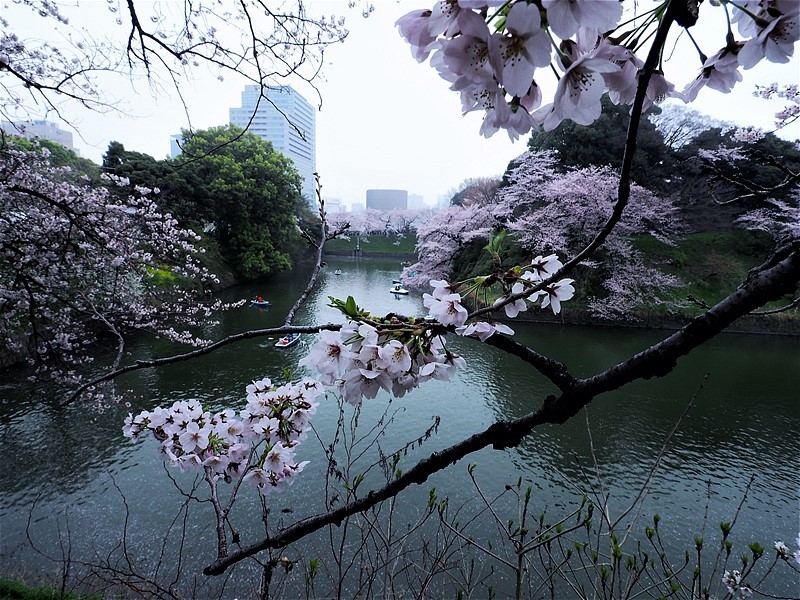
pixel 287 120
pixel 387 199
pixel 39 129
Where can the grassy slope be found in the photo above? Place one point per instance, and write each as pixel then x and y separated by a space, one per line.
pixel 14 590
pixel 711 264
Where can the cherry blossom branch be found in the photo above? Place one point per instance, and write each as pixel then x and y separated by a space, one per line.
pixel 777 276
pixel 231 339
pixel 624 188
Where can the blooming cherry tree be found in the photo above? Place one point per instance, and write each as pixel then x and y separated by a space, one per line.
pixel 80 263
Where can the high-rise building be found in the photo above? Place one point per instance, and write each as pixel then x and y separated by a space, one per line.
pixel 39 128
pixel 287 120
pixel 416 202
pixel 387 199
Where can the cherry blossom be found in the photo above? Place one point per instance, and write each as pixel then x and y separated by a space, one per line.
pixel 579 90
pixel 776 40
pixel 516 57
pixel 556 293
pixel 565 16
pixel 521 35
pixel 733 581
pixel 448 310
pixel 720 72
pixel 415 29
pixel 259 446
pixel 484 330
pixel 55 225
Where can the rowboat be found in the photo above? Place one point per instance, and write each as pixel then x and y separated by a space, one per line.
pixel 396 289
pixel 290 339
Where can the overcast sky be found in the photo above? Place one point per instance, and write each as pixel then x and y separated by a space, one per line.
pixel 387 121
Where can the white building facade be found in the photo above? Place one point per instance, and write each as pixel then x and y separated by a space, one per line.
pixel 287 120
pixel 41 129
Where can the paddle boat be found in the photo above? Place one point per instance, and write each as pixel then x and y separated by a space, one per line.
pixel 337 272
pixel 397 289
pixel 396 281
pixel 290 339
pixel 259 302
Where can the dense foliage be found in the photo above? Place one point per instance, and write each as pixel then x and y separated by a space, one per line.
pixel 231 184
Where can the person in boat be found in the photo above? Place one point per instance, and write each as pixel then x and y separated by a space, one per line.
pixel 260 299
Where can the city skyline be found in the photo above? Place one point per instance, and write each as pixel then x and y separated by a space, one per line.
pixel 384 121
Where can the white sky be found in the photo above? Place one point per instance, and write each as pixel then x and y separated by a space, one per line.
pixel 386 120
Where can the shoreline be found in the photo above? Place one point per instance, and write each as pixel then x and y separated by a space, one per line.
pixel 751 325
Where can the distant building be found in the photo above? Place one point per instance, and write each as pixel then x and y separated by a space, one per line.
pixel 356 207
pixel 334 205
pixel 287 120
pixel 39 129
pixel 174 145
pixel 416 202
pixel 387 199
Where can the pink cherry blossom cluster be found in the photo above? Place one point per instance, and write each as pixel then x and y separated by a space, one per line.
pixel 575 204
pixel 78 259
pixel 258 446
pixel 552 294
pixel 493 51
pixel 361 359
pixel 445 307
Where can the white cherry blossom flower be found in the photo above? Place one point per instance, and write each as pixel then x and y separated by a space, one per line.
pixel 517 306
pixel 621 84
pixel 658 90
pixel 329 355
pixel 516 57
pixel 278 457
pixel 775 41
pixel 394 357
pixel 579 90
pixel 415 29
pixel 189 462
pixel 543 267
pixel 782 550
pixel 258 477
pixel 468 54
pixel 441 288
pixel 720 72
pixel 194 437
pixel 365 383
pixel 218 464
pixel 483 330
pixel 448 310
pixel 564 17
pixel 556 293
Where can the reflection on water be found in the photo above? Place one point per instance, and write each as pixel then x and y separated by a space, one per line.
pixel 743 422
